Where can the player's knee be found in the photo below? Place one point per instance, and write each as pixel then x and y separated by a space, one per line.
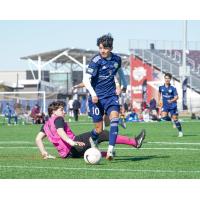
pixel 113 112
pixel 114 121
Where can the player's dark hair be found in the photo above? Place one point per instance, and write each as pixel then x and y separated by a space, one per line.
pixel 169 75
pixel 105 40
pixel 55 105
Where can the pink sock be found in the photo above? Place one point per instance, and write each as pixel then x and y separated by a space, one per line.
pixel 126 140
pixel 103 154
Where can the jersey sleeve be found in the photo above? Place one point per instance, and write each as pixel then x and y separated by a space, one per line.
pixel 59 123
pixel 175 92
pixel 93 66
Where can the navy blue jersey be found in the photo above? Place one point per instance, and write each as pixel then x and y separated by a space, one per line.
pixel 103 71
pixel 168 93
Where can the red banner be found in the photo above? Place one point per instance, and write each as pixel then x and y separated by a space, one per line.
pixel 140 74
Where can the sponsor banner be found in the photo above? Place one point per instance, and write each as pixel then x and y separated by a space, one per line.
pixel 140 74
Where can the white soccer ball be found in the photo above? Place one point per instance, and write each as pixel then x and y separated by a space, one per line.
pixel 92 156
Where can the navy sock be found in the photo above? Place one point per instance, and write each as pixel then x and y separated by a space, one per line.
pixel 178 125
pixel 113 131
pixel 94 135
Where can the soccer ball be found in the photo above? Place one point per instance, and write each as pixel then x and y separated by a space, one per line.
pixel 92 156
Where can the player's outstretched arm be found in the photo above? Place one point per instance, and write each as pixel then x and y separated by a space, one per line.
pixel 80 85
pixel 87 83
pixel 64 136
pixel 39 142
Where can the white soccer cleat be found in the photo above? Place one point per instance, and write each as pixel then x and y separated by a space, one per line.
pixel 180 134
pixel 109 155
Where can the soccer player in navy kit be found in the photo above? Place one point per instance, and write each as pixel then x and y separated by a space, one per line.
pixel 100 82
pixel 169 103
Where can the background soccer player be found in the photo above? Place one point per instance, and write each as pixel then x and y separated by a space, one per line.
pixel 100 82
pixel 169 102
pixel 66 142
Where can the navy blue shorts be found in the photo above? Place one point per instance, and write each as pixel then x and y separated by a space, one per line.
pixel 104 106
pixel 172 111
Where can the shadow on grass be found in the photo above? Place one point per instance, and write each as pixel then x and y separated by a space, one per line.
pixel 139 158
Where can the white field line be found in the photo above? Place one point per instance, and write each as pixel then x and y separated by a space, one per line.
pixel 119 148
pixel 16 142
pixel 101 169
pixel 162 148
pixel 177 143
pixel 159 142
pixel 78 123
pixel 86 123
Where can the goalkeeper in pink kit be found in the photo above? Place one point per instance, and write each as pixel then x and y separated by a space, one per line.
pixel 66 142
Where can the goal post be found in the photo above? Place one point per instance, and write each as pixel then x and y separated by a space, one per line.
pixel 30 97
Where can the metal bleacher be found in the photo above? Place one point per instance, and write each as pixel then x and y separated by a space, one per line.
pixel 170 60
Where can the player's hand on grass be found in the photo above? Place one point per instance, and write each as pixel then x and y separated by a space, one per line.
pixel 47 156
pixel 80 144
pixel 95 99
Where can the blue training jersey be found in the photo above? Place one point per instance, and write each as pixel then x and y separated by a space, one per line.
pixel 168 93
pixel 103 71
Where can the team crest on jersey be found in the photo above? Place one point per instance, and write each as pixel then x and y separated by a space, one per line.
pixel 116 65
pixel 139 73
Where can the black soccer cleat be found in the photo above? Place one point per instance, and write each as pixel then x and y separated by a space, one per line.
pixel 122 123
pixel 139 139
